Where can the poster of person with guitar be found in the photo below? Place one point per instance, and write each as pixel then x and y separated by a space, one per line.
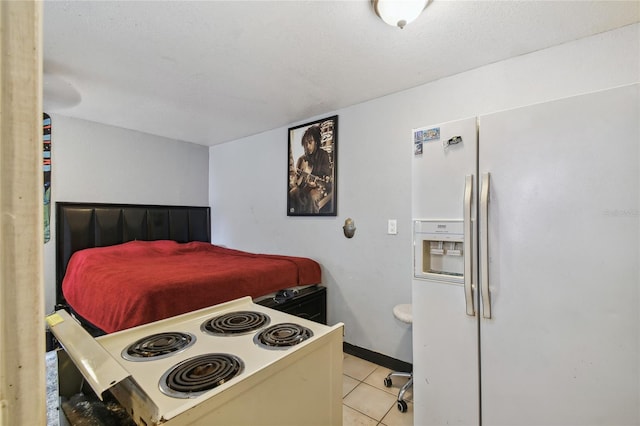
pixel 312 168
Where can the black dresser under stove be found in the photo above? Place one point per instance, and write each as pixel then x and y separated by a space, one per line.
pixel 309 303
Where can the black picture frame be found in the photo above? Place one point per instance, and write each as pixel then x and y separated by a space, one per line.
pixel 312 184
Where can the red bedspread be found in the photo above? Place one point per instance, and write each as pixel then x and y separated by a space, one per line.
pixel 134 283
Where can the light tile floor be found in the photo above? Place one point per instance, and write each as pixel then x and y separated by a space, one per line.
pixel 366 401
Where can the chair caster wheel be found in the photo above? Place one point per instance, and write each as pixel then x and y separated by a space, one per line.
pixel 387 382
pixel 402 406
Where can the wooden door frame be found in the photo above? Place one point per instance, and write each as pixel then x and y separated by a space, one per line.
pixel 22 329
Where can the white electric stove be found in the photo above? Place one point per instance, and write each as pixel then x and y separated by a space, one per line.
pixel 237 363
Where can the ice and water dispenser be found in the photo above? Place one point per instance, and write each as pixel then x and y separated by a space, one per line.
pixel 438 250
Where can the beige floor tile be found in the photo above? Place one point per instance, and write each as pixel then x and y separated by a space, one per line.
pixel 395 418
pixel 348 384
pixel 376 379
pixel 357 368
pixel 368 400
pixel 351 417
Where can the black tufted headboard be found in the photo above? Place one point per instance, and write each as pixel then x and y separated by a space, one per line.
pixel 86 225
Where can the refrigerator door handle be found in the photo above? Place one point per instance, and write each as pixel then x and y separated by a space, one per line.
pixel 484 246
pixel 468 276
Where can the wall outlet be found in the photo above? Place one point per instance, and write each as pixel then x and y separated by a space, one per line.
pixel 392 227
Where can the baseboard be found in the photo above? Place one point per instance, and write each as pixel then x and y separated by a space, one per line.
pixel 377 358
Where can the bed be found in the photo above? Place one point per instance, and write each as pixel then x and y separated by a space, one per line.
pixel 122 265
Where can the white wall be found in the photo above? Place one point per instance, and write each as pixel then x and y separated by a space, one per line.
pixel 367 275
pixel 94 162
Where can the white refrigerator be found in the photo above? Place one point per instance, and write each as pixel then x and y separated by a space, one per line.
pixel 526 280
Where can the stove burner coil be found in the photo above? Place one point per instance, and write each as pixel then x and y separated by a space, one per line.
pixel 235 323
pixel 195 376
pixel 157 346
pixel 282 336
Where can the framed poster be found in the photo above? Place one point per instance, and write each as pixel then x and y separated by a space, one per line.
pixel 312 184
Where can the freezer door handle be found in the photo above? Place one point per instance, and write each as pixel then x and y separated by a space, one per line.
pixel 468 255
pixel 484 246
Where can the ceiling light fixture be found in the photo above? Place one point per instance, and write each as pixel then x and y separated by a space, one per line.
pixel 58 93
pixel 399 12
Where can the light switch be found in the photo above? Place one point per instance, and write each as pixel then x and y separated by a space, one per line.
pixel 392 227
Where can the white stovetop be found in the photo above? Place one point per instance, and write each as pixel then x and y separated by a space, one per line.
pixel 147 373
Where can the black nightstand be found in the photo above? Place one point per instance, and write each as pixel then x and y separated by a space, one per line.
pixel 309 303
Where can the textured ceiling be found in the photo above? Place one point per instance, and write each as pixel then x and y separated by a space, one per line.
pixel 209 72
